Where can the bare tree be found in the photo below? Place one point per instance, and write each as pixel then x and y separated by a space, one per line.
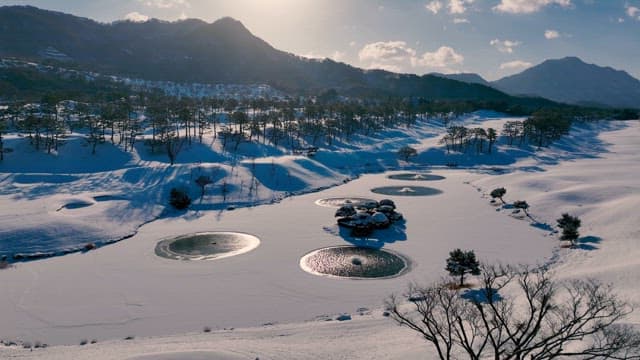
pixel 519 313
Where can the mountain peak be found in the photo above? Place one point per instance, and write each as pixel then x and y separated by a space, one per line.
pixel 571 59
pixel 230 23
pixel 571 80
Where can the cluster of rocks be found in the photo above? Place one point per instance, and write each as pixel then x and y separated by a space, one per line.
pixel 364 217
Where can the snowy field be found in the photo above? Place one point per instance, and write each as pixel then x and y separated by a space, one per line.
pixel 261 304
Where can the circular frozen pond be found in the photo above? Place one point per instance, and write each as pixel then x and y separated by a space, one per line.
pixel 354 262
pixel 341 201
pixel 206 246
pixel 406 190
pixel 416 177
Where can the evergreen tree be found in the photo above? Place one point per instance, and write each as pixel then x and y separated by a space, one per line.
pixel 492 135
pixel 406 152
pixel 461 263
pixel 521 204
pixel 499 193
pixel 569 225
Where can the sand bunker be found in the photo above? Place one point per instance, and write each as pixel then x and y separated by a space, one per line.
pixel 207 246
pixel 416 177
pixel 341 201
pixel 354 262
pixel 406 190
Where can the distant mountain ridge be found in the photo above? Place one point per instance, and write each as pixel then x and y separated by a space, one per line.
pixel 571 80
pixel 220 52
pixel 469 78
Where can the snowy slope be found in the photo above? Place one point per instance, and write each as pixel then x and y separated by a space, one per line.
pixel 125 290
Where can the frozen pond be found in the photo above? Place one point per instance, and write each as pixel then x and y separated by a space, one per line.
pixel 406 191
pixel 354 262
pixel 416 177
pixel 127 289
pixel 207 246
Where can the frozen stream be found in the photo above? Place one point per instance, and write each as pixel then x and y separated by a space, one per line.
pixel 127 290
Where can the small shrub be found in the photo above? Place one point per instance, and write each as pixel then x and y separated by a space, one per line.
pixel 523 205
pixel 94 341
pixel 498 193
pixel 179 199
pixel 84 342
pixel 206 329
pixel 406 152
pixel 130 337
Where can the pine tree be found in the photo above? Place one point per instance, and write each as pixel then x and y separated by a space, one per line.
pixel 461 263
pixel 521 204
pixel 406 152
pixel 569 225
pixel 498 193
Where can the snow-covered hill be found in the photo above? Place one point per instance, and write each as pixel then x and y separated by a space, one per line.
pixel 125 290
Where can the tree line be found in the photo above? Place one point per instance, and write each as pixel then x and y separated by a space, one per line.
pixel 540 129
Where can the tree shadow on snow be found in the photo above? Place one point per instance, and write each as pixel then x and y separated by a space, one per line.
pixel 481 295
pixel 379 237
pixel 587 243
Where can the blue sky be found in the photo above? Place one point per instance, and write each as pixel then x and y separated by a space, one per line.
pixel 490 37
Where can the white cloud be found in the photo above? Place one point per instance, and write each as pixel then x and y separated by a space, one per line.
pixel 434 6
pixel 136 17
pixel 527 6
pixel 633 12
pixel 398 56
pixel 551 34
pixel 620 20
pixel 505 46
pixel 166 4
pixel 443 58
pixel 460 21
pixel 515 65
pixel 390 51
pixel 458 6
pixel 352 44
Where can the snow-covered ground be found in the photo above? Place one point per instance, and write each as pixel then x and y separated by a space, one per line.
pixel 277 310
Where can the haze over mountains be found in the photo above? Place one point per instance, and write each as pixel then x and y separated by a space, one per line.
pixel 226 52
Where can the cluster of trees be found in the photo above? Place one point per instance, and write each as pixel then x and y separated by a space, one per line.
pixel 121 116
pixel 537 318
pixel 567 223
pixel 541 129
pixel 461 138
pixel 173 123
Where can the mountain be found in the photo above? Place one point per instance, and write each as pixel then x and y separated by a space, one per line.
pixel 570 80
pixel 220 52
pixel 469 78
